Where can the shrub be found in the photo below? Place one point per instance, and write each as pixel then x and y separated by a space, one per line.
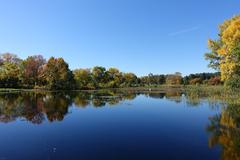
pixel 196 81
pixel 214 80
pixel 234 82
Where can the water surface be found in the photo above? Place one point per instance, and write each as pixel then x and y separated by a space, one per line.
pixel 116 125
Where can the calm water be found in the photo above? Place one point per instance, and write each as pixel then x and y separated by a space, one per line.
pixel 116 125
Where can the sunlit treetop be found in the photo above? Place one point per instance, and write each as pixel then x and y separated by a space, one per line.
pixel 225 51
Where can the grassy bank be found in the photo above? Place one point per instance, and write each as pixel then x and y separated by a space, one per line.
pixel 200 90
pixel 192 88
pixel 213 93
pixel 163 88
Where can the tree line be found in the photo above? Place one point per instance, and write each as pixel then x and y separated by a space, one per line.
pixel 54 73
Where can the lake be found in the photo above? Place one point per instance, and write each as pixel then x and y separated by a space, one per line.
pixel 114 124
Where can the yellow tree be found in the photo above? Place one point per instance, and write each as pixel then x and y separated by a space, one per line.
pixel 225 51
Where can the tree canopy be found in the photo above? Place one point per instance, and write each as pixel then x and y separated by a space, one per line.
pixel 54 74
pixel 225 51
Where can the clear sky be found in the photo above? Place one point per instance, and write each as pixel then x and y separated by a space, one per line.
pixel 140 36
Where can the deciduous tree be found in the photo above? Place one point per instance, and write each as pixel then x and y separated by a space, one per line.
pixel 57 74
pixel 225 51
pixel 32 67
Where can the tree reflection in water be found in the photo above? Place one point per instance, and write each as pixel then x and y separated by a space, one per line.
pixel 224 127
pixel 53 106
pixel 225 131
pixel 33 106
pixel 36 107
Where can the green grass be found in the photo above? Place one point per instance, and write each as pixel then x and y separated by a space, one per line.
pixel 213 93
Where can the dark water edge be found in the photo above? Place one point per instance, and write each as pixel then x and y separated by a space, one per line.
pixel 117 124
pixel 156 88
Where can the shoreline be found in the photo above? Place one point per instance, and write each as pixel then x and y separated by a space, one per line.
pixel 145 88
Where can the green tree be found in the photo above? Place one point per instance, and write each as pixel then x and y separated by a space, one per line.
pixel 100 76
pixel 84 79
pixel 152 79
pixel 57 74
pixel 10 71
pixel 115 78
pixel 130 80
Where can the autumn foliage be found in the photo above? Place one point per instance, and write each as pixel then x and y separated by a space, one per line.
pixel 54 74
pixel 225 51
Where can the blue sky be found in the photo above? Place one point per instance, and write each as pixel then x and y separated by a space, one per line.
pixel 140 36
